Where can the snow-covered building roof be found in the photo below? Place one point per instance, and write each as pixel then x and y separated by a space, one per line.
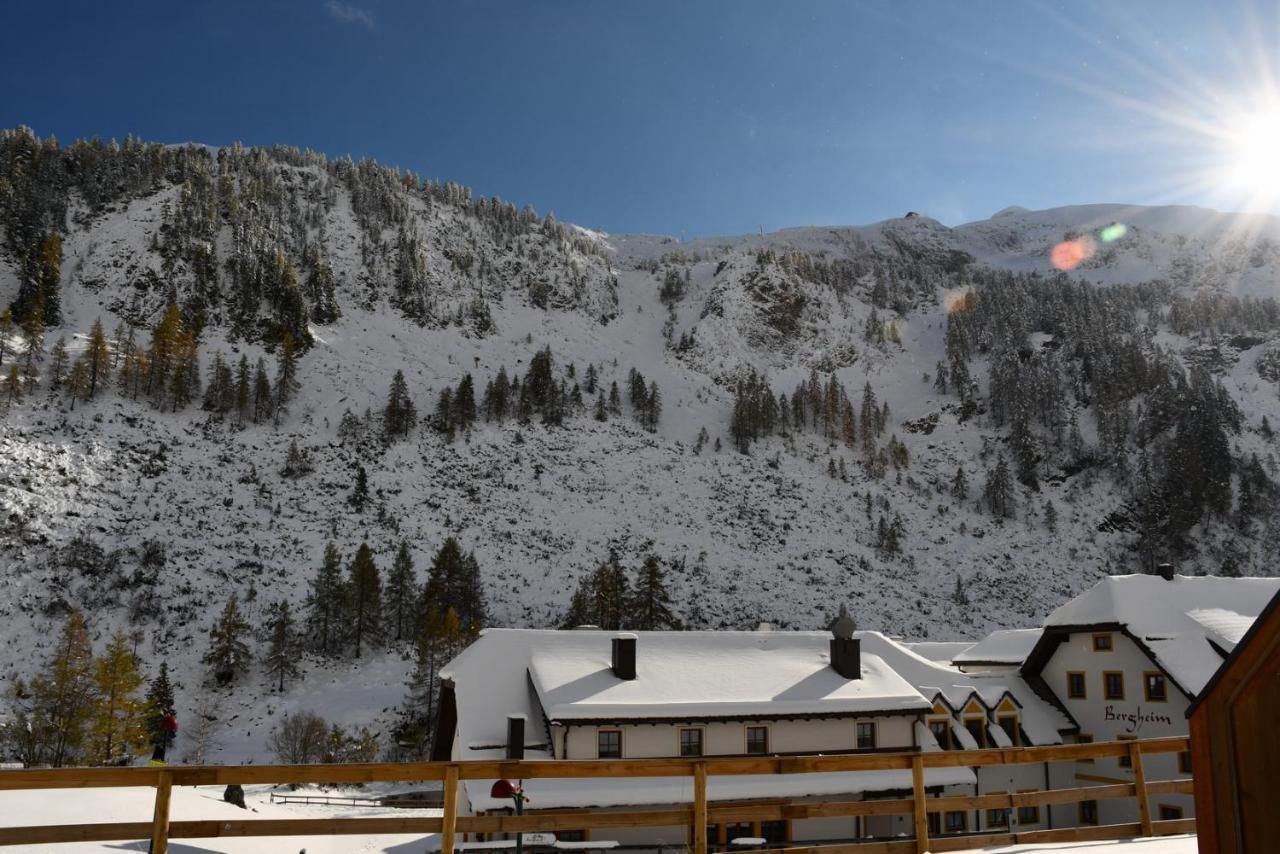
pixel 566 676
pixel 939 651
pixel 1186 623
pixel 700 675
pixel 1006 647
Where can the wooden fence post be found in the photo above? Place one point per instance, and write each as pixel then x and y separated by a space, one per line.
pixel 699 808
pixel 160 820
pixel 1140 787
pixel 919 806
pixel 450 809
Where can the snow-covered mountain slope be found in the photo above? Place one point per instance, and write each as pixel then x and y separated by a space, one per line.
pixel 427 281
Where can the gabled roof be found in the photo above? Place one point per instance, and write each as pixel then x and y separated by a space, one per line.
pixel 940 651
pixel 701 675
pixel 1003 647
pixel 1176 621
pixel 1269 616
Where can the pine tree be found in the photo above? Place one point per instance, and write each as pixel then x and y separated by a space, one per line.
pixel 998 492
pixel 439 639
pixel 59 362
pixel 296 462
pixel 960 485
pixel 159 699
pixel 78 381
pixel 600 413
pixel 401 591
pixel 286 374
pixel 262 402
pixel 243 391
pixel 63 694
pixel 650 606
pixel 283 648
pixel 399 415
pixel 615 399
pixel 98 356
pixel 359 497
pixel 464 403
pixel 119 716
pixel 365 603
pixel 326 603
pixel 228 655
pixel 13 386
pixel 653 408
pixel 7 328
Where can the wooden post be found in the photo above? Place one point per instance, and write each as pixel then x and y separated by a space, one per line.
pixel 450 809
pixel 1140 787
pixel 700 808
pixel 919 806
pixel 160 820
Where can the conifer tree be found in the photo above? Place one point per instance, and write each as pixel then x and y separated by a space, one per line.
pixel 399 415
pixel 401 592
pixel 653 408
pixel 326 603
pixel 998 492
pixel 159 699
pixel 33 336
pixel 119 716
pixel 464 403
pixel 600 413
pixel 650 606
pixel 7 328
pixel 262 402
pixel 13 386
pixel 243 391
pixel 63 694
pixel 283 648
pixel 365 603
pixel 286 374
pixel 960 485
pixel 78 381
pixel 59 363
pixel 359 497
pixel 228 654
pixel 615 400
pixel 98 356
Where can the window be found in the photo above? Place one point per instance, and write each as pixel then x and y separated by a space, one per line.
pixel 691 742
pixel 957 822
pixel 977 728
pixel 609 743
pixel 1102 643
pixel 1168 813
pixel 942 733
pixel 1029 815
pixel 1156 689
pixel 1126 760
pixel 866 736
pixel 713 836
pixel 740 830
pixel 1113 685
pixel 935 824
pixel 1076 686
pixel 1009 723
pixel 1088 812
pixel 1184 762
pixel 571 836
pixel 1085 739
pixel 757 739
pixel 998 817
pixel 773 831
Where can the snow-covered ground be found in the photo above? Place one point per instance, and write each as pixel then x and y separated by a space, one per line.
pixel 1182 844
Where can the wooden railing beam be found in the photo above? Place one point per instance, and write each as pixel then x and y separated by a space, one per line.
pixel 699 828
pixel 160 818
pixel 449 821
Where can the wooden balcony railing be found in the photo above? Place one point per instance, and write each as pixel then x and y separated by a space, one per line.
pixel 696 815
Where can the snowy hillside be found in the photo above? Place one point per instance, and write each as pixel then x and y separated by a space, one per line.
pixel 151 515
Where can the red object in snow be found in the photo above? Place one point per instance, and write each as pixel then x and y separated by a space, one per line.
pixel 502 789
pixel 169 723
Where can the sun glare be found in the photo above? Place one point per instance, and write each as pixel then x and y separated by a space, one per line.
pixel 1253 154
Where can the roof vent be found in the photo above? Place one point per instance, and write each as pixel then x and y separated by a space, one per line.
pixel 1165 571
pixel 624 656
pixel 846 652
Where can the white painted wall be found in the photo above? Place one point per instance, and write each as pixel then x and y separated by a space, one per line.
pixel 730 738
pixel 1108 720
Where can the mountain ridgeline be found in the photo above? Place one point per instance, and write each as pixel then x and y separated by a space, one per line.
pixel 219 364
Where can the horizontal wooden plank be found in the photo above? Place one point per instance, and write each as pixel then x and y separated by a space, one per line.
pixel 1171 787
pixel 1074 796
pixel 969 842
pixel 1080 834
pixel 531 822
pixel 78 778
pixel 907 846
pixel 54 833
pixel 1178 825
pixel 377 772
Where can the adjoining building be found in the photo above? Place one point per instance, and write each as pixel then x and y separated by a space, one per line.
pixel 1123 660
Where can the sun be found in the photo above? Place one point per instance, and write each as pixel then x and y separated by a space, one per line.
pixel 1251 150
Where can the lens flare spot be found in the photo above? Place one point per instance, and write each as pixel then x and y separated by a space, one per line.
pixel 1113 232
pixel 1070 254
pixel 959 301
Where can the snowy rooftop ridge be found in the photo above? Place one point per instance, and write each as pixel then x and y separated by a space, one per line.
pixel 1006 646
pixel 1176 619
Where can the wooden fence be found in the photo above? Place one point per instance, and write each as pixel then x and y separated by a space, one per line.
pixel 696 815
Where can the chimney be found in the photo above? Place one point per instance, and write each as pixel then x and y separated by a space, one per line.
pixel 846 652
pixel 1165 571
pixel 515 736
pixel 624 656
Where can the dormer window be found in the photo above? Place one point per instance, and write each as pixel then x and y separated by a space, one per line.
pixel 941 732
pixel 1102 642
pixel 1009 723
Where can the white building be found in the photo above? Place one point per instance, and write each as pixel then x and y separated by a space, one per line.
pixel 1124 660
pixel 599 695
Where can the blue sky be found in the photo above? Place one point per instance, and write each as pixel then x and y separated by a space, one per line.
pixel 689 118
